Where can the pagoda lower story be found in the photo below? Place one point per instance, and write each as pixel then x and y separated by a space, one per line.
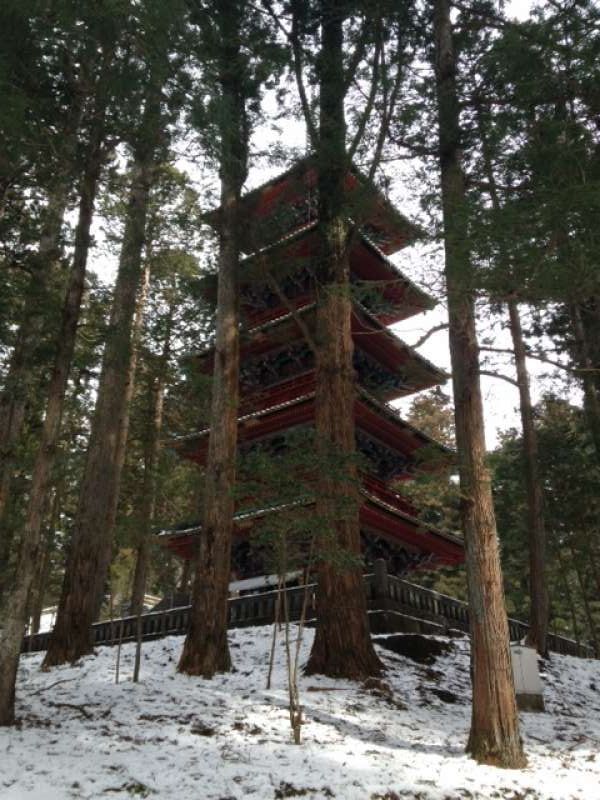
pixel 277 375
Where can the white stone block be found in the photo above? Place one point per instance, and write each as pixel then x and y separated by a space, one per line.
pixel 528 684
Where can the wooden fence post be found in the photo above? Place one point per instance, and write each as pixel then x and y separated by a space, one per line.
pixel 381 587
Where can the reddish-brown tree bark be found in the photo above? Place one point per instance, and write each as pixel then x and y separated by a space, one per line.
pixel 342 646
pixel 538 588
pixel 91 545
pixel 17 596
pixel 494 737
pixel 205 650
pixel 538 585
pixel 156 395
pixel 590 371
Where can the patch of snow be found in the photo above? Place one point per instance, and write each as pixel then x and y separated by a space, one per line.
pixel 174 736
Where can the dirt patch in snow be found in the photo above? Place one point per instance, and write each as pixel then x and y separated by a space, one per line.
pixel 422 649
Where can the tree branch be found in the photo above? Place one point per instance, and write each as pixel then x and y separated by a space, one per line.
pixel 500 377
pixel 290 307
pixel 541 357
pixel 294 40
pixel 377 64
pixel 358 54
pixel 388 109
pixel 414 149
pixel 436 328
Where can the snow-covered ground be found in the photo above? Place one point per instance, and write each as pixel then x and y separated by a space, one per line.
pixel 172 736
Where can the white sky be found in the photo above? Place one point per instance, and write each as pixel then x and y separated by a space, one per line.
pixel 500 398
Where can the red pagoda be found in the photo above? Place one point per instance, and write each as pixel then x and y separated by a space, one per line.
pixel 277 376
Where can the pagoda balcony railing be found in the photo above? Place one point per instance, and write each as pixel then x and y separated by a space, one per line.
pixel 394 605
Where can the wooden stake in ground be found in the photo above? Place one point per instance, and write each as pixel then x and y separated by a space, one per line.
pixel 494 737
pixel 138 648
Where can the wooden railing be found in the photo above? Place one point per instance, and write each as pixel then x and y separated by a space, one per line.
pixel 386 595
pixel 397 595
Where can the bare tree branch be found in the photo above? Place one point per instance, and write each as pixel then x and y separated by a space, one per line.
pixel 537 356
pixel 375 79
pixel 293 39
pixel 443 326
pixel 359 52
pixel 414 149
pixel 290 306
pixel 500 377
pixel 388 109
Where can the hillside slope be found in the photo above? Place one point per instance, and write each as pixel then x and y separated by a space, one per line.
pixel 172 736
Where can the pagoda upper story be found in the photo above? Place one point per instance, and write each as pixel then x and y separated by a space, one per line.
pixel 285 205
pixel 278 297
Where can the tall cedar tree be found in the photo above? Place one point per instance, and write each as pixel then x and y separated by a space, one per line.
pixel 570 473
pixel 15 606
pixel 494 737
pixel 552 171
pixel 342 645
pixel 205 649
pixel 55 71
pixel 156 381
pixel 91 545
pixel 538 590
pixel 16 595
pixel 585 326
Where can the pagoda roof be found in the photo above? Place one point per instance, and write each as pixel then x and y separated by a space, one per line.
pixel 392 350
pixel 378 420
pixel 385 410
pixel 386 518
pixel 369 334
pixel 378 216
pixel 369 264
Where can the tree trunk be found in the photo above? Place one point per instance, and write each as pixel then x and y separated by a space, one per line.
pixel 594 566
pixel 538 585
pixel 67 335
pixel 38 591
pixel 205 650
pixel 91 545
pixel 589 614
pixel 342 645
pixel 122 432
pixel 494 737
pixel 15 606
pixel 151 452
pixel 591 395
pixel 564 576
pixel 189 565
pixel 20 377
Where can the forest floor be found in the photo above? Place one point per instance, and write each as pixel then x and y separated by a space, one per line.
pixel 80 735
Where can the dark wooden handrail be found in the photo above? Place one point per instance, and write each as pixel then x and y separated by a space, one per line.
pixel 385 593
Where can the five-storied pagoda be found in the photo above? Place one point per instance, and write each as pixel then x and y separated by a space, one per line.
pixel 277 375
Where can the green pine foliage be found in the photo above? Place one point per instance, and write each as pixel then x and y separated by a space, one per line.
pixel 571 480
